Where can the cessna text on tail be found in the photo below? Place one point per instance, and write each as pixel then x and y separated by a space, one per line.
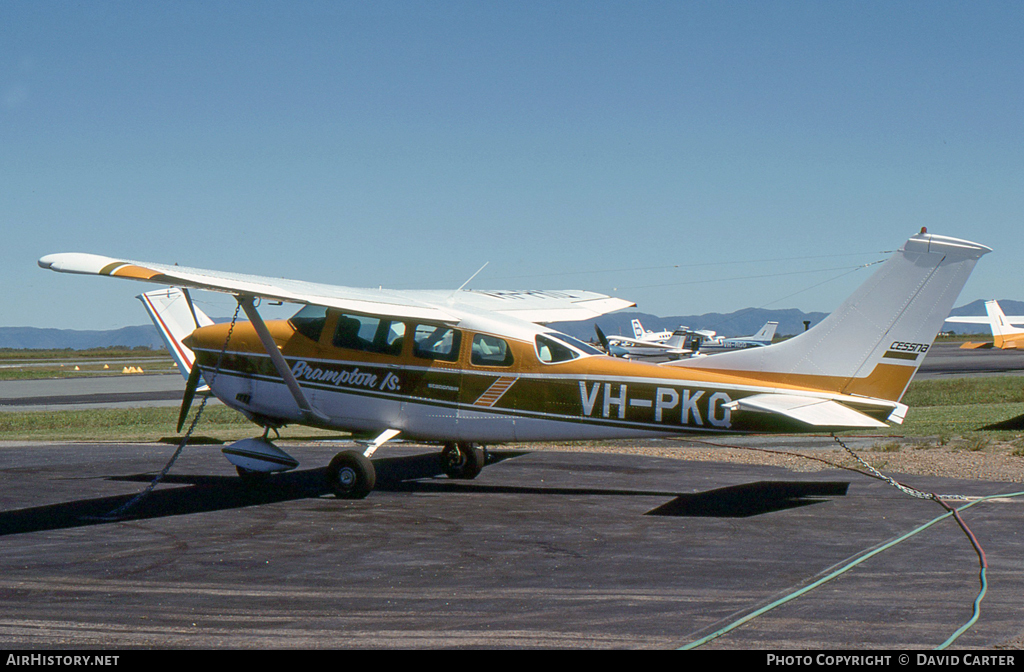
pixel 470 368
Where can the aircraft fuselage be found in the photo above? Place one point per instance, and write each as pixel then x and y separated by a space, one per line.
pixel 522 398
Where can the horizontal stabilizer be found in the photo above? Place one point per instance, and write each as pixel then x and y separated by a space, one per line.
pixel 812 411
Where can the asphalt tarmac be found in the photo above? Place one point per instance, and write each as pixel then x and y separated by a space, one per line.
pixel 948 360
pixel 542 550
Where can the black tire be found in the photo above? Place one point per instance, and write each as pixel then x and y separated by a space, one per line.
pixel 351 475
pixel 462 460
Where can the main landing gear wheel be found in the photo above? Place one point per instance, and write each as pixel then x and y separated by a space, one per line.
pixel 351 475
pixel 462 460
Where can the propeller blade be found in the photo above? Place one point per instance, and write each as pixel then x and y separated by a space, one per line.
pixel 190 392
pixel 603 340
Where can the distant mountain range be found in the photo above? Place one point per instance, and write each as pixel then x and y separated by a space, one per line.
pixel 74 339
pixel 740 323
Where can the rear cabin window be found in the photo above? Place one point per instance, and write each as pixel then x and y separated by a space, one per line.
pixel 490 351
pixel 310 321
pixel 435 342
pixel 551 351
pixel 369 334
pixel 584 348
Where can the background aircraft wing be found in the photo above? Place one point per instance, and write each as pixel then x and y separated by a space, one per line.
pixel 437 305
pixel 983 319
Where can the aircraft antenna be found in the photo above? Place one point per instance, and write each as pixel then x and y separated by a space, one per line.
pixel 471 278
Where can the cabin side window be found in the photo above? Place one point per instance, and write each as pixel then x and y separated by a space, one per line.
pixel 310 321
pixel 490 351
pixel 436 342
pixel 369 334
pixel 551 351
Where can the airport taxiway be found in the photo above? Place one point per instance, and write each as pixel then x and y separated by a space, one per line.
pixel 544 549
pixel 105 391
pixel 947 360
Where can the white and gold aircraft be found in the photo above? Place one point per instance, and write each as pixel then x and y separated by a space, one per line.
pixel 470 368
pixel 1005 335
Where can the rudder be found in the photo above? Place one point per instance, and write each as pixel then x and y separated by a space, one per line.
pixel 874 342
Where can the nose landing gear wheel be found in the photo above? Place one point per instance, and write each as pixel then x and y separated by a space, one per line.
pixel 462 460
pixel 351 475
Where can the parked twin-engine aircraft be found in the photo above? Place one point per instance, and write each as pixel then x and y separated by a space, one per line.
pixel 1004 335
pixel 675 344
pixel 467 368
pixel 646 335
pixel 683 342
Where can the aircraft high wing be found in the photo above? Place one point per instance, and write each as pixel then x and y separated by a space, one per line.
pixel 439 305
pixel 471 368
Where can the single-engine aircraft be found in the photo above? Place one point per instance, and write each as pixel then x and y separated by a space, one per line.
pixel 469 368
pixel 1005 336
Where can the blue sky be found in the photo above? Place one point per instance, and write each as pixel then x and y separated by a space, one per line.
pixel 690 156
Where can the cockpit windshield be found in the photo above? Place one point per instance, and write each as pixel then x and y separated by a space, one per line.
pixel 310 321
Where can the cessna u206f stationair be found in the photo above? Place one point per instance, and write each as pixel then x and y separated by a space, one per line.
pixel 467 368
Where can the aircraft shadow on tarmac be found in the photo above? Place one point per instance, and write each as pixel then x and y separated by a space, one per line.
pixel 416 473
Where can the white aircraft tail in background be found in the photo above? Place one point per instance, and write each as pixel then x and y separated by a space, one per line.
pixel 765 334
pixel 1005 336
pixel 715 344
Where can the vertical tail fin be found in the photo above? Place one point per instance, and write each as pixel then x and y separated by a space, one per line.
pixel 765 333
pixel 1004 334
pixel 875 341
pixel 175 318
pixel 679 338
pixel 638 329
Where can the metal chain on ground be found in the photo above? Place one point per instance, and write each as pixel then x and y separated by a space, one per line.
pixel 118 512
pixel 913 492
